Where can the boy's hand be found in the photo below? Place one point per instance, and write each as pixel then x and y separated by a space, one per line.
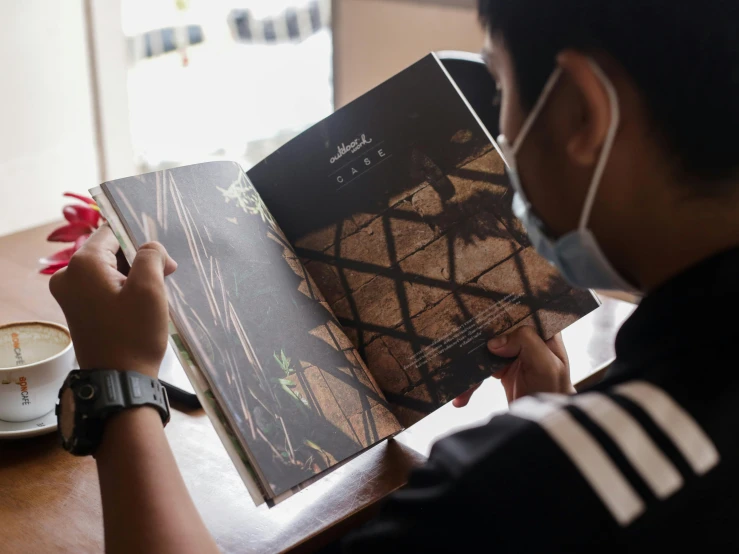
pixel 116 321
pixel 539 366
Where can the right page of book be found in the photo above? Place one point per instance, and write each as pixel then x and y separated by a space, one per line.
pixel 400 208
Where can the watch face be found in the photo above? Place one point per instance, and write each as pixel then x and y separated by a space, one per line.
pixel 66 414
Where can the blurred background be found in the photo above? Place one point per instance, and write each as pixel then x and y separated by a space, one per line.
pixel 94 90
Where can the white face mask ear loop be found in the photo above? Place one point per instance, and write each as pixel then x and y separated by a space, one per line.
pixel 607 145
pixel 536 109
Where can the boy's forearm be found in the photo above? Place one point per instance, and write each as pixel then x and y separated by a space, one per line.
pixel 146 506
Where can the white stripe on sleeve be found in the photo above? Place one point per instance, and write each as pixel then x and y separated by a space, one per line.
pixel 654 467
pixel 586 454
pixel 692 442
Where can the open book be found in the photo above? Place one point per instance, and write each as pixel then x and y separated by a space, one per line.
pixel 346 286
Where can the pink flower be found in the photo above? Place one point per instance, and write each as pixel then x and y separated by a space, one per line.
pixel 82 220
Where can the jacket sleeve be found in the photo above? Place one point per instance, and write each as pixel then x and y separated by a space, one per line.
pixel 502 487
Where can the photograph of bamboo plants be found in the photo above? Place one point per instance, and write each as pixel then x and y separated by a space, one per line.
pixel 291 383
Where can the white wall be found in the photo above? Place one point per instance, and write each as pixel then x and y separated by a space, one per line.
pixel 46 131
pixel 374 39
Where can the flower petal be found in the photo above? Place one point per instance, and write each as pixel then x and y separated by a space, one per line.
pixel 87 214
pixel 70 214
pixel 70 233
pixel 85 199
pixel 51 269
pixel 92 215
pixel 59 257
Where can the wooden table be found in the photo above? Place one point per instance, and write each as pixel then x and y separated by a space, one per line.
pixel 50 500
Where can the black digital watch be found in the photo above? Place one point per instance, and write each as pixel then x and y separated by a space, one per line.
pixel 89 397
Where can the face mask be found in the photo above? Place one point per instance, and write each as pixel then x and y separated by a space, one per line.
pixel 576 254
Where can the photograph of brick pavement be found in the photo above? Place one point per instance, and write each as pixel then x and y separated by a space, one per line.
pixel 420 286
pixel 399 207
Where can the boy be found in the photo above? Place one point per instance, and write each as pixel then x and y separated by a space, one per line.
pixel 619 123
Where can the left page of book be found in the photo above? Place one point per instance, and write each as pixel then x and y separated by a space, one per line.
pixel 198 381
pixel 290 383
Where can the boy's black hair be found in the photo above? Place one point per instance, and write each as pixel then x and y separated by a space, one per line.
pixel 682 55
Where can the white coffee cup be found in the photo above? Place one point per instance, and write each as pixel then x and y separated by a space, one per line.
pixel 35 358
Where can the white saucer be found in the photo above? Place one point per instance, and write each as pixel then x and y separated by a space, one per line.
pixel 23 429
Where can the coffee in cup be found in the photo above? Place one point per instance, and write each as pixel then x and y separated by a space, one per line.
pixel 35 358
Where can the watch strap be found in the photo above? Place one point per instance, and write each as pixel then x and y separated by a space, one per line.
pixel 118 390
pixel 98 394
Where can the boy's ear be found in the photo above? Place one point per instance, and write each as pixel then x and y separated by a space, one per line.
pixel 590 117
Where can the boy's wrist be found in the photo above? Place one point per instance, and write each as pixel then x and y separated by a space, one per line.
pixel 147 368
pixel 128 428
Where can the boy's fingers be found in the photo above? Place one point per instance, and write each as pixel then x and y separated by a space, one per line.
pixel 557 345
pixel 462 400
pixel 502 372
pixel 94 264
pixel 524 341
pixel 150 266
pixel 102 246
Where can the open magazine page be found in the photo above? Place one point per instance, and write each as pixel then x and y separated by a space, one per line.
pixel 400 208
pixel 290 383
pixel 200 385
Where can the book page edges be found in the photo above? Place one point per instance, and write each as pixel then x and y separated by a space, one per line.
pixel 469 107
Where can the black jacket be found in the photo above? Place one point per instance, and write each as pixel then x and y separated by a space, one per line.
pixel 644 461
